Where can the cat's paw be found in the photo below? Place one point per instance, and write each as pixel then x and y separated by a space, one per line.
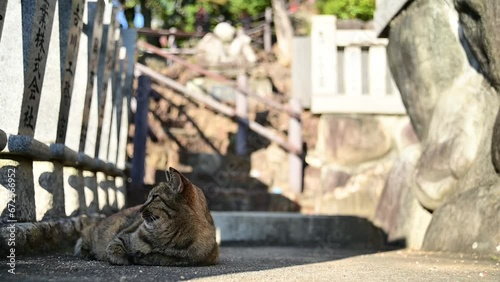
pixel 116 253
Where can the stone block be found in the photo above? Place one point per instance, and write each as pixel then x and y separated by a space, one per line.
pixel 359 196
pixel 296 229
pixel 352 140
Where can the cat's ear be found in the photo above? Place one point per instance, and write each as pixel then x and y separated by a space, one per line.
pixel 176 180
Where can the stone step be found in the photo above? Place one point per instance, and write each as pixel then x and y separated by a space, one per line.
pixel 233 228
pixel 295 229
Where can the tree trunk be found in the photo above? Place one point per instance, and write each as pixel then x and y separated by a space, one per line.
pixel 284 32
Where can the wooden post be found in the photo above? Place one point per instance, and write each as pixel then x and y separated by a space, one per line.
pixel 267 29
pixel 141 129
pixel 242 112
pixel 296 165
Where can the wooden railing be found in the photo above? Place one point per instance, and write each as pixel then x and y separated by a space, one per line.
pixel 64 109
pixel 239 113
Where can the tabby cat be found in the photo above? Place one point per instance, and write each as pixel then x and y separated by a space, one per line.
pixel 173 227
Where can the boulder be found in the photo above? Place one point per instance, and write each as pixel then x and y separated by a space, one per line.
pixel 352 140
pixel 480 25
pixel 444 59
pixel 422 69
pixel 451 105
pixel 360 194
pixel 467 223
pixel 456 158
pixel 398 212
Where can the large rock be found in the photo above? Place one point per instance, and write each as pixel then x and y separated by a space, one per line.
pixel 467 223
pixel 456 158
pixel 451 105
pixel 479 21
pixel 444 58
pixel 398 212
pixel 421 67
pixel 352 140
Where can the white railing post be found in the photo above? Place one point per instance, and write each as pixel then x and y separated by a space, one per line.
pixel 373 94
pixel 353 81
pixel 296 163
pixel 323 60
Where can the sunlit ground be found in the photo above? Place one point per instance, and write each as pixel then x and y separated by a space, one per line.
pixel 272 264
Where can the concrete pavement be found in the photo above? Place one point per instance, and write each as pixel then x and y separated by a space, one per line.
pixel 271 264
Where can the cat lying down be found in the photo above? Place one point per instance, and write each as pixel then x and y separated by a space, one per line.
pixel 173 227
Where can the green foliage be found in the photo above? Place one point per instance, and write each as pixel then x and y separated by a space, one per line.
pixel 347 9
pixel 253 7
pixel 182 13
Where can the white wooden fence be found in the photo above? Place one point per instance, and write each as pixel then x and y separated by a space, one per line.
pixel 347 71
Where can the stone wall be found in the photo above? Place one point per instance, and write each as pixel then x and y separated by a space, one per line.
pixel 348 167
